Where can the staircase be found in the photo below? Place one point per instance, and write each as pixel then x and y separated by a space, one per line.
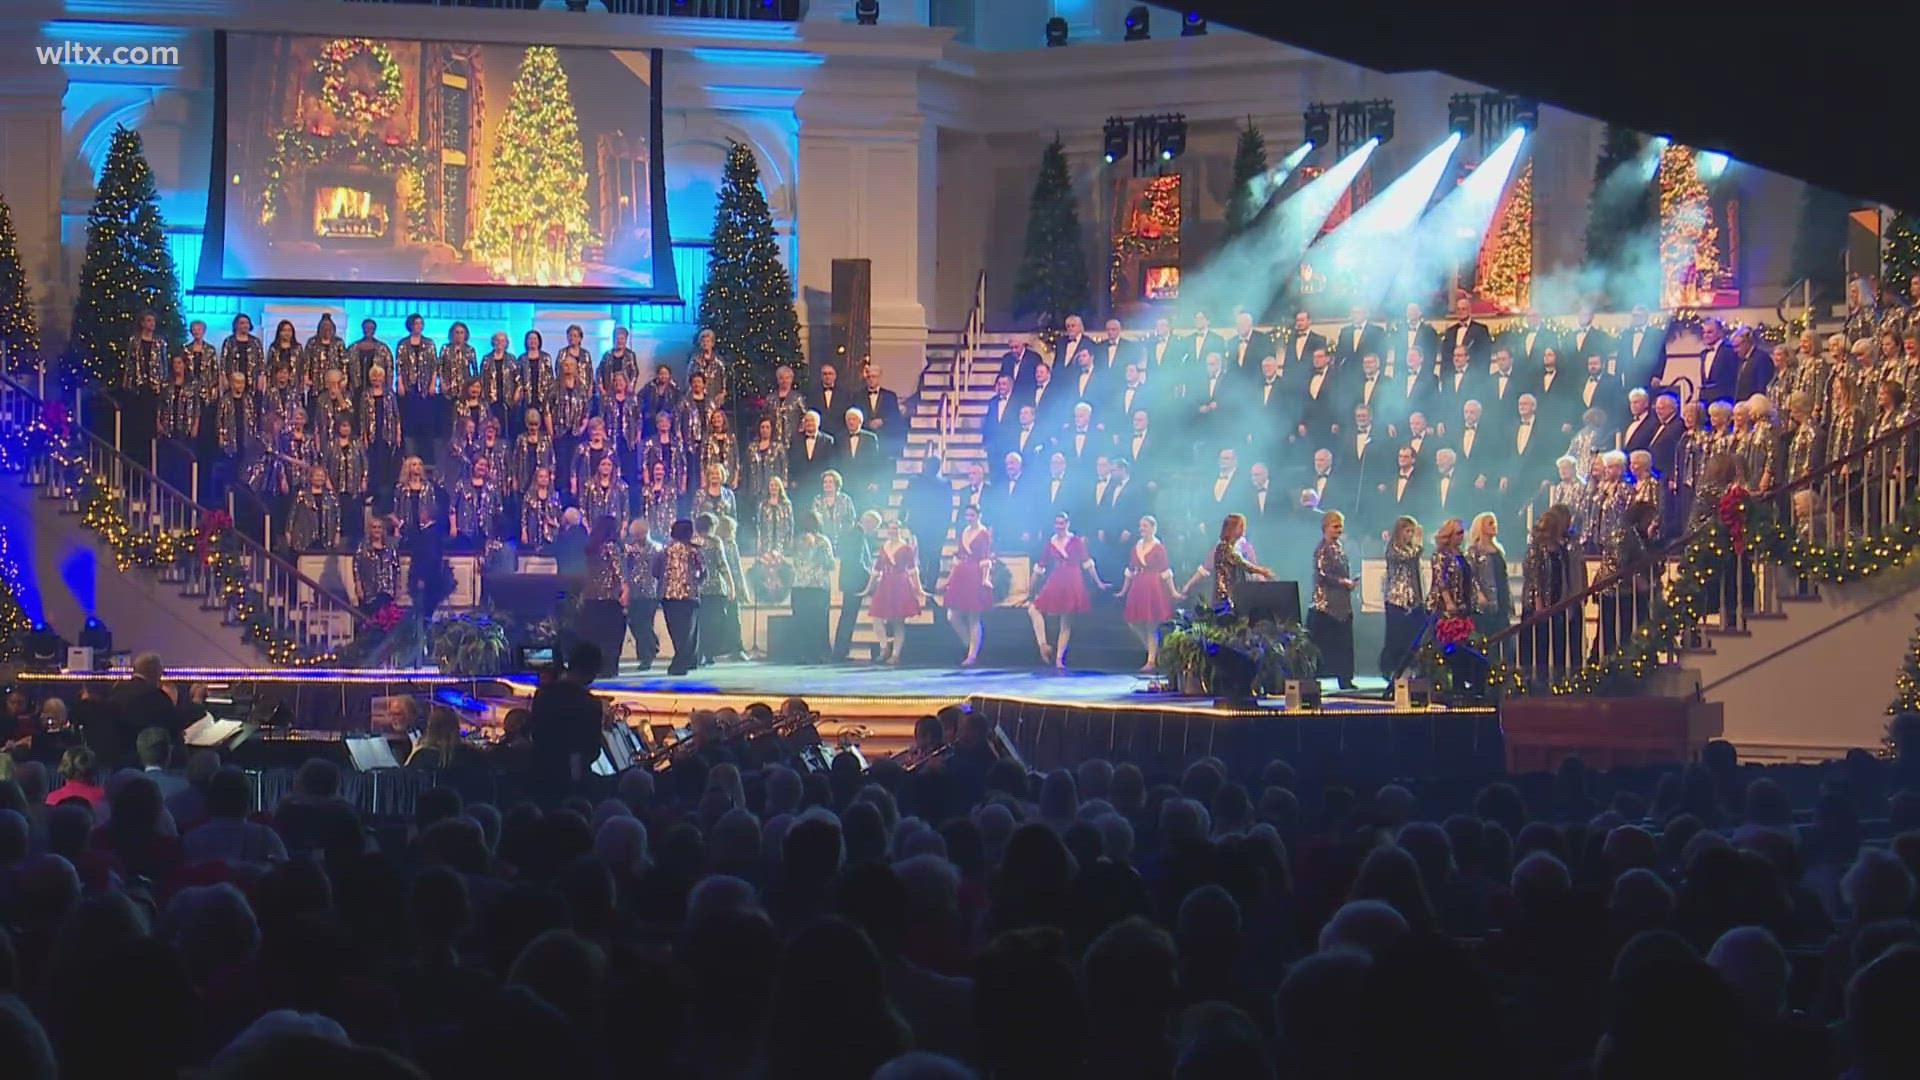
pixel 188 611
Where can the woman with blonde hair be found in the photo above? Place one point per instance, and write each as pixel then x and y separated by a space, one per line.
pixel 1492 591
pixel 1406 607
pixel 1551 572
pixel 440 743
pixel 773 521
pixel 1148 589
pixel 1330 619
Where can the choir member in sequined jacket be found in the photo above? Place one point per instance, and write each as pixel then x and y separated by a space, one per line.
pixel 146 364
pixel 244 353
pixel 282 396
pixel 1330 618
pixel 497 454
pixel 415 364
pixel 539 511
pixel 416 501
pixel 576 350
pixel 660 395
pixel 324 352
pixel 457 365
pixel 663 451
pixel 1405 602
pixel 659 502
pixel 786 407
pixel 619 360
pixel 1492 589
pixel 569 409
pixel 234 420
pixel 681 571
pixel 376 568
pixel 503 381
pixel 643 590
pixel 380 433
pixel 626 427
pixel 178 412
pixel 719 447
pixel 313 524
pixel 365 353
pixel 1450 592
pixel 604 494
pixel 203 363
pixel 1646 485
pixel 474 516
pixel 690 415
pixel 346 462
pixel 532 449
pixel 707 363
pixel 333 404
pixel 537 367
pixel 284 354
pixel 587 456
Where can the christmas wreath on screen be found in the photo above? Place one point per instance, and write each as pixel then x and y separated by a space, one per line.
pixel 359 79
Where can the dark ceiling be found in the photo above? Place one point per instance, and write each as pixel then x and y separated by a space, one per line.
pixel 1824 95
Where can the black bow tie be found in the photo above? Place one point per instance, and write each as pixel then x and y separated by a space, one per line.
pixel 1592 379
pixel 1470 427
pixel 1320 475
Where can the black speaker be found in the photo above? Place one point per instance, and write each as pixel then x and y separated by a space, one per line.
pixel 851 321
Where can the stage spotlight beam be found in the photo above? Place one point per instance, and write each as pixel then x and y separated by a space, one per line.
pixel 1710 164
pixel 1293 159
pixel 1455 227
pixel 1369 248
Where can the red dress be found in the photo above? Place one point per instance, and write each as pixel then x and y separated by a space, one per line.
pixel 967 588
pixel 894 595
pixel 1150 595
pixel 1065 590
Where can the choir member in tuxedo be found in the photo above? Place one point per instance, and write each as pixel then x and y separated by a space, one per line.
pixel 1025 438
pixel 1086 382
pixel 1450 491
pixel 1358 337
pixel 1421 438
pixel 1246 348
pixel 1556 392
pixel 1073 338
pixel 1273 411
pixel 1302 343
pixel 1161 355
pixel 1370 387
pixel 1132 394
pixel 1118 503
pixel 1329 484
pixel 1007 506
pixel 1461 382
pixel 1586 339
pixel 812 453
pixel 1142 446
pixel 1503 386
pixel 1320 398
pixel 1415 335
pixel 865 465
pixel 1396 495
pixel 1418 383
pixel 1719 364
pixel 1265 505
pixel 1228 488
pixel 1019 362
pixel 1112 352
pixel 881 411
pixel 974 492
pixel 1049 399
pixel 1082 441
pixel 1210 404
pixel 1530 342
pixel 1668 430
pixel 1637 432
pixel 1362 451
pixel 1003 413
pixel 1598 390
pixel 1469 332
pixel 1642 349
pixel 1530 444
pixel 929 504
pixel 1477 448
pixel 831 400
pixel 1201 342
pixel 1755 374
pixel 1060 492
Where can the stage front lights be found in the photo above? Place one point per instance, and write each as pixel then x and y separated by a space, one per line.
pixel 1194 25
pixel 1173 137
pixel 1526 112
pixel 866 12
pixel 1056 32
pixel 1137 23
pixel 1116 137
pixel 1317 122
pixel 1380 121
pixel 1461 111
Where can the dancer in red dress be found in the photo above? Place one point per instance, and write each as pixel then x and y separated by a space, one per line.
pixel 1149 589
pixel 1064 564
pixel 895 590
pixel 969 590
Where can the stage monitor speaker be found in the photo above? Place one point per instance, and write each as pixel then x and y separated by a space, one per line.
pixel 851 321
pixel 1275 600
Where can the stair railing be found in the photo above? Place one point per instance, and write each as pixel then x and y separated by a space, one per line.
pixel 317 618
pixel 960 374
pixel 1805 288
pixel 1848 500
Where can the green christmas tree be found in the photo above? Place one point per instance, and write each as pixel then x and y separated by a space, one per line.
pixel 127 269
pixel 1052 283
pixel 1249 190
pixel 533 227
pixel 1621 210
pixel 1902 259
pixel 748 299
pixel 1906 697
pixel 19 328
pixel 13 616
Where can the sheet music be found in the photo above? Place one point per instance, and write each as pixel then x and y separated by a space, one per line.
pixel 208 731
pixel 370 753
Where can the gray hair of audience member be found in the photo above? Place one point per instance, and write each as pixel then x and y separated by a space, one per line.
pixel 913 836
pixel 635 788
pixel 773 837
pixel 735 838
pixel 1877 886
pixel 1094 810
pixel 996 824
pixel 32 778
pixel 784 790
pixel 572 516
pixel 923 1065
pixel 1640 898
pixel 1094 778
pixel 607 809
pixel 24 1045
pixel 1184 821
pixel 147 665
pixel 13 837
pixel 621 843
pixel 1395 804
pixel 212 926
pixel 1748 959
pixel 931 882
pixel 1116 837
pixel 281 1023
pixel 883 800
pixel 726 777
pixel 720 894
pixel 1363 925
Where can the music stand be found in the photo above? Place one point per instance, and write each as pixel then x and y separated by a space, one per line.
pixel 1278 601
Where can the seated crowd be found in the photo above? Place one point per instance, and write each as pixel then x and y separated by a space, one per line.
pixel 951 914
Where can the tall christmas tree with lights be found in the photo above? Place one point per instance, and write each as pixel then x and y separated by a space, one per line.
pixel 1052 282
pixel 1689 240
pixel 127 270
pixel 1506 256
pixel 14 620
pixel 1249 167
pixel 533 227
pixel 748 299
pixel 19 328
pixel 1902 258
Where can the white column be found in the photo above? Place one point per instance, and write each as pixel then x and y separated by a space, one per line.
pixel 30 158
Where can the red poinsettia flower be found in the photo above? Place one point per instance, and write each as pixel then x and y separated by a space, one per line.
pixel 1453 631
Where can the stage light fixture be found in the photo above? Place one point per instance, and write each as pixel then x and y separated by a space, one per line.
pixel 1194 25
pixel 1317 122
pixel 1056 32
pixel 866 12
pixel 1117 135
pixel 1137 25
pixel 1526 112
pixel 1380 121
pixel 1461 110
pixel 1173 137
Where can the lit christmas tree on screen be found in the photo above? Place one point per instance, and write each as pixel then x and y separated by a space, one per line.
pixel 533 219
